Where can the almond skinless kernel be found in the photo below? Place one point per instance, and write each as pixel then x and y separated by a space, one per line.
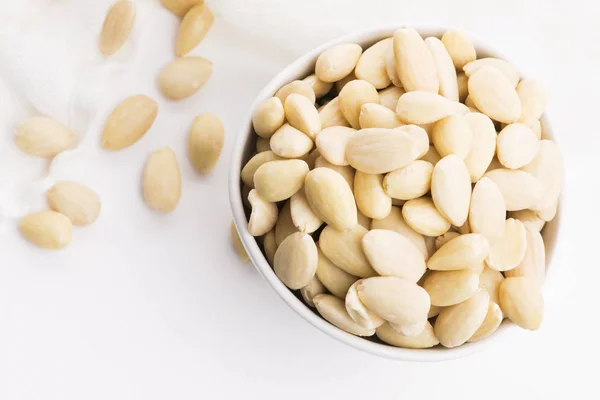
pixel 254 163
pixel 285 225
pixel 447 288
pixel 452 135
pixel 76 201
pixel 353 96
pixel 346 171
pixel 395 222
pixel 289 142
pixel 421 107
pixel 118 25
pixel 517 145
pixel 333 310
pixel 358 312
pixel 389 97
pixel 314 288
pixel 521 301
pixel 162 180
pixel 519 189
pixel 507 251
pixel 494 95
pixel 263 216
pixel 370 197
pixel 332 142
pixel 268 117
pixel 445 68
pixel 503 66
pixel 451 189
pixel 460 253
pixel 194 26
pixel 128 122
pixel 337 62
pixel 206 140
pixel 492 321
pixel 279 180
pixel 318 86
pixel 180 7
pixel 44 137
pixel 298 87
pixel 371 65
pixel 345 250
pixel 374 115
pixel 302 115
pixel 302 215
pixel 533 264
pixel 409 182
pixel 335 279
pixel 458 323
pixel 295 260
pixel 47 229
pixel 414 63
pixel 460 48
pixel 423 340
pixel 331 115
pixel 422 216
pixel 488 210
pixel 184 77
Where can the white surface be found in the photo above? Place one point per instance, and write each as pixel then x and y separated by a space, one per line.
pixel 152 307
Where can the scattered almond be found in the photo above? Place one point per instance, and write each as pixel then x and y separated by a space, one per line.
pixel 206 140
pixel 47 229
pixel 128 122
pixel 195 25
pixel 162 180
pixel 44 137
pixel 184 76
pixel 76 201
pixel 118 25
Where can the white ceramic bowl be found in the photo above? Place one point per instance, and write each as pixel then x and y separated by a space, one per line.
pixel 243 150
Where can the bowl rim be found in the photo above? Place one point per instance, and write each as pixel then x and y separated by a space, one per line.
pixel 292 72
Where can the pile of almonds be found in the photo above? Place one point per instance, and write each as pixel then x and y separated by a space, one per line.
pixel 417 217
pixel 72 203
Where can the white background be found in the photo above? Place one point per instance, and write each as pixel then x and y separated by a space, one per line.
pixel 144 306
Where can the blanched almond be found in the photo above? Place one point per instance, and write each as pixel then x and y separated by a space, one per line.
pixel 358 312
pixel 490 324
pixel 488 211
pixel 533 264
pixel 506 68
pixel 237 244
pixel 464 252
pixel 180 7
pixel 424 107
pixel 490 280
pixel 432 156
pixel 445 68
pixel 390 66
pixel 296 259
pixel 548 168
pixel 548 213
pixel 303 216
pixel 331 115
pixel 378 151
pixel 299 87
pixel 453 135
pixel 422 216
pixel 409 182
pixel 333 310
pixel 270 246
pixel 162 180
pixel 314 288
pixel 395 222
pixel 262 145
pixel 516 146
pixel 302 115
pixel 520 189
pixel 371 65
pixel 353 96
pixel 279 180
pixel 44 137
pixel 345 250
pixel 335 279
pixel 370 197
pixel 458 323
pixel 529 218
pixel 447 288
pixel 445 238
pixel 194 26
pixel 377 116
pixel 494 95
pixel 206 140
pixel 268 117
pixel 391 254
pixel 337 62
pixel 47 229
pixel 420 137
pixel 483 145
pixel 396 300
pixel 536 128
pixel 254 163
pixel 263 216
pixel 507 251
pixel 463 86
pixel 389 97
pixel 451 189
pixel 318 86
pixel 118 25
pixel 534 97
pixel 423 340
pixel 332 142
pixel 285 225
pixel 78 202
pixel 289 142
pixel 414 63
pixel 522 302
pixel 346 171
pixel 330 198
pixel 460 48
pixel 184 76
pixel 128 122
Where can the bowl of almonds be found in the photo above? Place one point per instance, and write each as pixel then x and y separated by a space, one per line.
pixel 399 189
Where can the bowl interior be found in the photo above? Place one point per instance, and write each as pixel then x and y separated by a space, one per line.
pixel 245 148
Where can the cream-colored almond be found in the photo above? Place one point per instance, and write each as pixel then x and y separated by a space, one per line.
pixel 162 180
pixel 371 65
pixel 490 324
pixel 345 250
pixel 391 254
pixel 358 312
pixel 445 238
pixel 395 222
pixel 337 62
pixel 422 216
pixel 517 145
pixel 409 182
pixel 184 76
pixel 507 69
pixel 533 264
pixel 488 210
pixel 451 189
pixel 447 288
pixel 424 340
pixel 333 310
pixel 346 172
pixel 289 142
pixel 128 122
pixel 522 302
pixel 414 63
pixel 463 86
pixel 483 145
pixel 490 280
pixel 420 137
pixel 263 216
pixel 332 142
pixel 298 87
pixel 318 86
pixel 397 300
pixel 390 66
pixel 295 261
pixel 432 156
pixel 494 95
pixel 194 26
pixel 262 145
pixel 331 198
pixel 453 135
pixel 536 128
pixel 44 137
pixel 370 197
pixel 378 151
pixel 303 216
pixel 279 180
pixel 237 244
pixel 302 115
pixel 117 27
pixel 458 323
pixel 78 202
pixel 180 7
pixel 377 116
pixel 520 189
pixel 314 288
pixel 47 229
pixel 534 97
pixel 285 225
pixel 464 252
pixel 268 117
pixel 335 279
pixel 547 168
pixel 254 163
pixel 460 48
pixel 389 97
pixel 529 218
pixel 445 68
pixel 548 213
pixel 331 115
pixel 353 96
pixel 508 250
pixel 270 246
pixel 424 107
pixel 206 141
